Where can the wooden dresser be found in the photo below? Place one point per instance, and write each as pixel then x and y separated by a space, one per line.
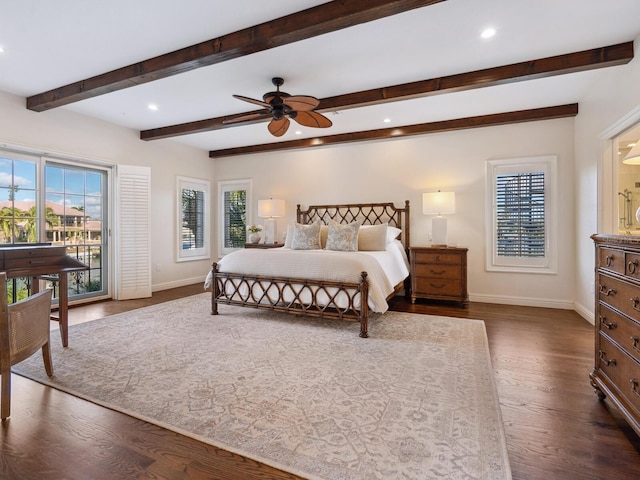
pixel 439 273
pixel 617 324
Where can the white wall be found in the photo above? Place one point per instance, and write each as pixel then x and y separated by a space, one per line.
pixel 402 169
pixel 610 101
pixel 68 133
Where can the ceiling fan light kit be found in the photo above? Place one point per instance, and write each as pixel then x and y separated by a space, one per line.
pixel 281 107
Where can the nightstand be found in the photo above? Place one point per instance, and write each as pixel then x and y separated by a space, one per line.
pixel 262 245
pixel 439 273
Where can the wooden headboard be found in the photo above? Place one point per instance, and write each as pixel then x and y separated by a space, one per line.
pixel 366 213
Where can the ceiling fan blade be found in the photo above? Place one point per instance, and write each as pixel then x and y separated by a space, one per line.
pixel 247 117
pixel 252 100
pixel 301 103
pixel 312 119
pixel 277 128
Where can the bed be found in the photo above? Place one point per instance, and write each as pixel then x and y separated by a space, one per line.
pixel 321 281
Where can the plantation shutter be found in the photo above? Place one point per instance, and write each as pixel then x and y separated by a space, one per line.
pixel 520 215
pixel 235 218
pixel 133 232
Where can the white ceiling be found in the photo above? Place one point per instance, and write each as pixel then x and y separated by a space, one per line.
pixel 50 44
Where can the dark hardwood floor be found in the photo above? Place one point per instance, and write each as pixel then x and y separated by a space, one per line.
pixel 555 426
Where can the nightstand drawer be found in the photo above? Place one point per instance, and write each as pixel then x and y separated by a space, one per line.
pixel 438 286
pixel 437 258
pixel 438 271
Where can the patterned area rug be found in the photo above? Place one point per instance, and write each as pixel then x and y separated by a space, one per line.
pixel 416 400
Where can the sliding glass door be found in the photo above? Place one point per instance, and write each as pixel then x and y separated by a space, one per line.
pixel 60 203
pixel 75 216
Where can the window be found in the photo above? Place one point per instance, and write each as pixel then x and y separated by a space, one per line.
pixel 61 202
pixel 234 210
pixel 193 219
pixel 521 205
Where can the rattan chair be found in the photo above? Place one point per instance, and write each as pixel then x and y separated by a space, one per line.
pixel 24 329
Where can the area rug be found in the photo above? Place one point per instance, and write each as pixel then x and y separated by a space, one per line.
pixel 415 400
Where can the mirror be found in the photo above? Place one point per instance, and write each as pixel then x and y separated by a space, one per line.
pixel 628 189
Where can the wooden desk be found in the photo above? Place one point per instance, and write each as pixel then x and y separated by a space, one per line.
pixel 36 261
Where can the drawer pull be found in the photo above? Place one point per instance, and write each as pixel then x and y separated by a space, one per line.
pixel 635 301
pixel 632 266
pixel 607 291
pixel 608 260
pixel 635 339
pixel 608 363
pixel 436 286
pixel 608 326
pixel 634 386
pixel 437 273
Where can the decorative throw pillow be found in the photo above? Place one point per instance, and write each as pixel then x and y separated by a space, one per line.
pixel 306 237
pixel 343 238
pixel 372 237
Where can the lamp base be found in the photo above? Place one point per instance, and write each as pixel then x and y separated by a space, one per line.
pixel 270 231
pixel 439 232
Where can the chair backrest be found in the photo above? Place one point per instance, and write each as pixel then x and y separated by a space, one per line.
pixel 24 325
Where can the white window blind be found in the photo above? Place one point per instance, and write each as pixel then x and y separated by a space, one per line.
pixel 133 235
pixel 520 212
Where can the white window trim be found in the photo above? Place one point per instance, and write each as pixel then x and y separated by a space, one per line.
pixel 192 254
pixel 548 264
pixel 225 186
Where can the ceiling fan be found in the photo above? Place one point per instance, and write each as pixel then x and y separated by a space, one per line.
pixel 281 106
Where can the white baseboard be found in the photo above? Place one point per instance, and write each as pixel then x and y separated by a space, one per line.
pixel 523 301
pixel 178 283
pixel 585 313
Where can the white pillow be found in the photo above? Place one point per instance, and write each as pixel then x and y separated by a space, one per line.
pixel 306 237
pixel 343 238
pixel 289 237
pixel 373 237
pixel 393 233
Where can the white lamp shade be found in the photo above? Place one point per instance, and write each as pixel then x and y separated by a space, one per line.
pixel 438 203
pixel 270 208
pixel 633 157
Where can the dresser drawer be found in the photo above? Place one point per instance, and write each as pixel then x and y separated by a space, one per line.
pixel 438 271
pixel 621 369
pixel 438 286
pixel 612 259
pixel 632 265
pixel 620 295
pixel 624 331
pixel 437 258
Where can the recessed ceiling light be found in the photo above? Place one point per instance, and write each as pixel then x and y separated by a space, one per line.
pixel 488 32
pixel 152 106
pixel 386 120
pixel 1 49
pixel 298 132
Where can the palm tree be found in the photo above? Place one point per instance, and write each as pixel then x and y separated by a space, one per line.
pixel 29 227
pixel 9 217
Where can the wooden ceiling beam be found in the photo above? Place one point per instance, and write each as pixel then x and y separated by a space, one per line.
pixel 546 113
pixel 533 69
pixel 325 18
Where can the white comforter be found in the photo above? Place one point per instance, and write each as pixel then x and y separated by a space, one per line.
pixel 385 269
